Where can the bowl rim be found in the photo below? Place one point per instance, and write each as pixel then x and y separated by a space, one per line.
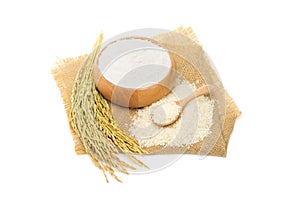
pixel 165 85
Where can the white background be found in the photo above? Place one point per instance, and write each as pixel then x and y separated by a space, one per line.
pixel 255 46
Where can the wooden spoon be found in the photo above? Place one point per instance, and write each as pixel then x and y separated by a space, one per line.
pixel 168 113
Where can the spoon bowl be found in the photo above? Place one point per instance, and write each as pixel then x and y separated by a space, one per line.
pixel 168 113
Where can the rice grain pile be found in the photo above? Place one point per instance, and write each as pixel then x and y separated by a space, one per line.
pixel 192 126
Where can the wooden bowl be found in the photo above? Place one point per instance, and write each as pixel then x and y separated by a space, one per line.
pixel 127 95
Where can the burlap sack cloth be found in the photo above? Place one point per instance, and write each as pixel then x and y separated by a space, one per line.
pixel 225 112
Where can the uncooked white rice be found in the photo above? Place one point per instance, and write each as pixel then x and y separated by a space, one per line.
pixel 193 125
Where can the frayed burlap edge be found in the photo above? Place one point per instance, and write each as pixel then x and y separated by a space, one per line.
pixel 64 74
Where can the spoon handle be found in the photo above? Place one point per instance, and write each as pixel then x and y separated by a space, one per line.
pixel 198 92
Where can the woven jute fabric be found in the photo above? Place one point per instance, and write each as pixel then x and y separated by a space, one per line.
pixel 193 65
